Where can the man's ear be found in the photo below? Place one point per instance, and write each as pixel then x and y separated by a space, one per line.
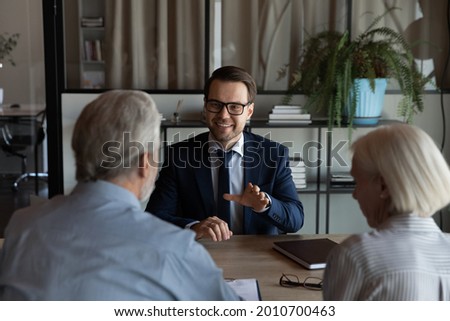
pixel 250 110
pixel 144 165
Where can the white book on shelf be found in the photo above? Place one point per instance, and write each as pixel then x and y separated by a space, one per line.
pixel 296 175
pixel 92 22
pixel 91 25
pixel 298 169
pixel 287 107
pixel 88 52
pixel 98 19
pixel 341 177
pixel 98 50
pixel 288 111
pixel 290 121
pixel 289 116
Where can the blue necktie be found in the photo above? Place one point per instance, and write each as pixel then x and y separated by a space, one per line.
pixel 223 185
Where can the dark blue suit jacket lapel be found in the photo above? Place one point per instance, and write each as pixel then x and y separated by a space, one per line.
pixel 252 167
pixel 203 177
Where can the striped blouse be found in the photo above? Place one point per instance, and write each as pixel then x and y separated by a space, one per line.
pixel 407 258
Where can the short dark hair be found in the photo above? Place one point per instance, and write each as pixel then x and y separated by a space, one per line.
pixel 233 73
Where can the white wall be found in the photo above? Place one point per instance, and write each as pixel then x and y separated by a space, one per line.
pixel 24 83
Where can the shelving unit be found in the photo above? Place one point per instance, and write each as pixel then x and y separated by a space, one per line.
pixel 316 187
pixel 92 35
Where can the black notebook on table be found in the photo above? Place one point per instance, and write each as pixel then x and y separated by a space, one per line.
pixel 312 254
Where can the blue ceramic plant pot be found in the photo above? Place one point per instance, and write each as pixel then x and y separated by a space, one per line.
pixel 369 104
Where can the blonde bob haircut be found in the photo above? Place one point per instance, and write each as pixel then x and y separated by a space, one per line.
pixel 411 165
pixel 113 132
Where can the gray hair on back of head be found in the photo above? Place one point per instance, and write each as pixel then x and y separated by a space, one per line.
pixel 112 132
pixel 413 168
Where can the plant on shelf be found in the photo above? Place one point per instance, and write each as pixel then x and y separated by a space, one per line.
pixel 331 65
pixel 7 45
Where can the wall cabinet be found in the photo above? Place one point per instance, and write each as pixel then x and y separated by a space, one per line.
pixel 91 42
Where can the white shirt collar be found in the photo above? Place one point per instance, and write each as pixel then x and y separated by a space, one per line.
pixel 238 147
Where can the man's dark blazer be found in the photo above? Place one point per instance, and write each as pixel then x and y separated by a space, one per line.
pixel 184 190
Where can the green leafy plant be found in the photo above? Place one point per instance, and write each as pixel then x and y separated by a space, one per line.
pixel 330 62
pixel 7 45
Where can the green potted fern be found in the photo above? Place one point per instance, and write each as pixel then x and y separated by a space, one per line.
pixel 7 45
pixel 333 69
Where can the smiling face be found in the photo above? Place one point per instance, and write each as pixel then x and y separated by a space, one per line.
pixel 226 128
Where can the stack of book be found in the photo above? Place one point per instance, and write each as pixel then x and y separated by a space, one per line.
pixel 298 173
pixel 92 22
pixel 93 50
pixel 289 114
pixel 342 179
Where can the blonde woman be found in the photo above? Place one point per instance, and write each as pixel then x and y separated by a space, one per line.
pixel 401 181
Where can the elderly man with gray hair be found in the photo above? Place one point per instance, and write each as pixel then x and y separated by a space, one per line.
pixel 97 243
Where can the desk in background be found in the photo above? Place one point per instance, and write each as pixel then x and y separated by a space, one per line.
pixel 25 110
pixel 252 256
pixel 28 113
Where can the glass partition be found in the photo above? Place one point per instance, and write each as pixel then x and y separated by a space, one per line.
pixel 174 45
pixel 424 25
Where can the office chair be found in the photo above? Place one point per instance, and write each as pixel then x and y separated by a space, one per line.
pixel 17 136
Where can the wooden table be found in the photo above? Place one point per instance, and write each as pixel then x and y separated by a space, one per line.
pixel 252 256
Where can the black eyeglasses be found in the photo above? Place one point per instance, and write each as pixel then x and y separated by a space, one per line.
pixel 291 281
pixel 215 106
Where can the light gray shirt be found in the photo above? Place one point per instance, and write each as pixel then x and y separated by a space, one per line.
pixel 407 258
pixel 98 244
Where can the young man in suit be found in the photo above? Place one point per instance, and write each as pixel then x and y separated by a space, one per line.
pixel 256 195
